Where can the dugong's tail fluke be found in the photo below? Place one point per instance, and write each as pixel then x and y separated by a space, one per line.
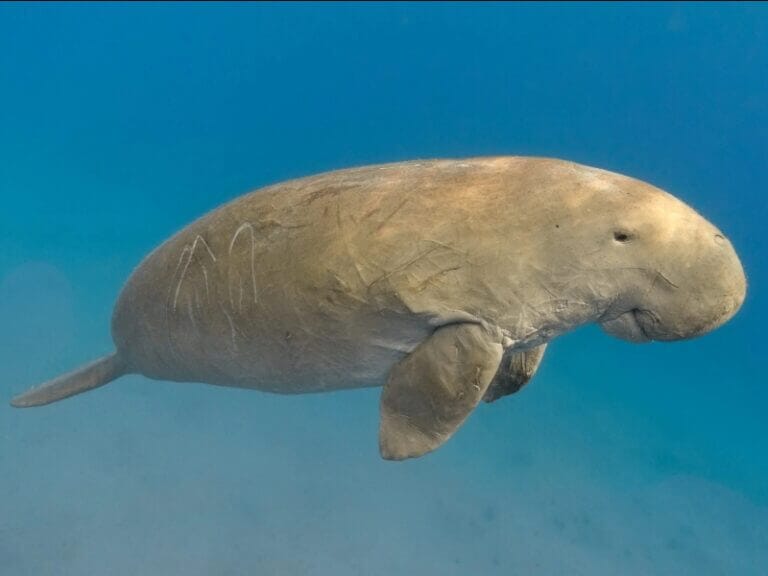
pixel 93 375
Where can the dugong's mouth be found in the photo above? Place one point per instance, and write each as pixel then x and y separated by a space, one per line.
pixel 630 325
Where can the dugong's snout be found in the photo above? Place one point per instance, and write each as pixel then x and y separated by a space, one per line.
pixel 698 287
pixel 712 289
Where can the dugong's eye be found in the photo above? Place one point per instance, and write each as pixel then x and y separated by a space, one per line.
pixel 621 236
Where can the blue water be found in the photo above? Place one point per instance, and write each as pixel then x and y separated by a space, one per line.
pixel 119 124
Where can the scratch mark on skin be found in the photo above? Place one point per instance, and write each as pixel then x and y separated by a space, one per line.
pixel 249 227
pixel 430 279
pixel 201 239
pixel 659 274
pixel 189 252
pixel 171 343
pixel 403 266
pixel 205 277
pixel 391 214
pixel 191 314
pixel 184 253
pixel 345 239
pixel 233 332
pixel 324 192
pixel 446 246
pixel 194 302
pixel 370 213
pixel 341 290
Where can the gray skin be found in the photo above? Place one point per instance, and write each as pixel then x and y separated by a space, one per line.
pixel 441 280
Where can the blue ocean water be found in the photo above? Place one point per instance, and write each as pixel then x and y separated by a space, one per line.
pixel 120 123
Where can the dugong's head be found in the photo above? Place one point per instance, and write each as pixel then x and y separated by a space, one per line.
pixel 661 270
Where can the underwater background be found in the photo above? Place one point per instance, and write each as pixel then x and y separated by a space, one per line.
pixel 119 124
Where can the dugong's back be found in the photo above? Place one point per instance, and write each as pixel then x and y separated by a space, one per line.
pixel 290 288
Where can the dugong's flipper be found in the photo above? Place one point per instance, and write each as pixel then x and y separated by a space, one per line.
pixel 93 375
pixel 432 390
pixel 516 369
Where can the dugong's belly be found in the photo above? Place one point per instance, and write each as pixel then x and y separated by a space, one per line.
pixel 242 299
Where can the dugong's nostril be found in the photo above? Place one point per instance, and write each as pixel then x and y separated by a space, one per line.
pixel 719 239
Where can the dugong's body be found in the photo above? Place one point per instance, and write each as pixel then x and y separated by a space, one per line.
pixel 443 279
pixel 325 282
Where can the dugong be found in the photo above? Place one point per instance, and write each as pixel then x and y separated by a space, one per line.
pixel 441 280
